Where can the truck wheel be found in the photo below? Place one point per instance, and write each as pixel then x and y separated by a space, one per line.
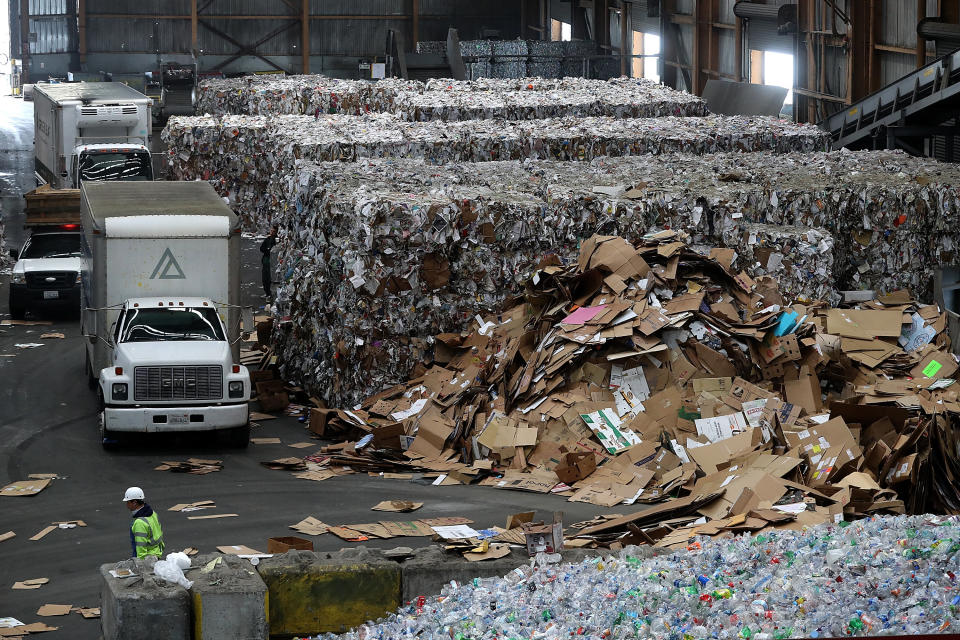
pixel 109 440
pixel 17 309
pixel 238 437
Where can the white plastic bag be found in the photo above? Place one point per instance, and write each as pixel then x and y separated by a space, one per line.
pixel 169 571
pixel 180 559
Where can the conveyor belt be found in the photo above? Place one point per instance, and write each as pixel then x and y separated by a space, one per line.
pixel 928 96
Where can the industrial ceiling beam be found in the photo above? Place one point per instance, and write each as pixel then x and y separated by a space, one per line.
pixel 270 16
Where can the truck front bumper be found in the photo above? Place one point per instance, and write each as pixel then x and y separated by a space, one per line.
pixel 30 297
pixel 169 419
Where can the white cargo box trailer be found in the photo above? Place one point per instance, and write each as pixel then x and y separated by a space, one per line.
pixel 161 306
pixel 91 131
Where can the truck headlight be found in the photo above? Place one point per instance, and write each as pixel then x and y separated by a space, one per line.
pixel 236 389
pixel 79 279
pixel 119 391
pixel 18 278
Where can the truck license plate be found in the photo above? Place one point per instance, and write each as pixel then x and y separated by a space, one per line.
pixel 178 419
pixel 51 295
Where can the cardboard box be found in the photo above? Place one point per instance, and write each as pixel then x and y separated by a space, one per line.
pixel 576 466
pixel 318 419
pixel 262 375
pixel 387 436
pixel 287 543
pixel 272 396
pixel 546 538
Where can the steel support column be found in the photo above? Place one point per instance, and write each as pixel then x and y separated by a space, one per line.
pixel 82 30
pixel 194 47
pixel 921 41
pixel 305 34
pixel 25 40
pixel 415 20
pixel 626 38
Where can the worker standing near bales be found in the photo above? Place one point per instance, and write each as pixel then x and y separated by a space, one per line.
pixel 146 535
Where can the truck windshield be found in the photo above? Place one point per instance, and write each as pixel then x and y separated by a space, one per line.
pixel 115 166
pixel 185 323
pixel 53 245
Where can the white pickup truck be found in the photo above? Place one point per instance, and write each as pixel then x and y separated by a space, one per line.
pixel 47 271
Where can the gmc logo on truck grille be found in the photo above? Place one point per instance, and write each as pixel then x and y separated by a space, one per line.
pixel 178 383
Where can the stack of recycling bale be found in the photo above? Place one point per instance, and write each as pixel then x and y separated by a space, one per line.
pixel 248 155
pixel 445 99
pixel 407 223
pixel 379 256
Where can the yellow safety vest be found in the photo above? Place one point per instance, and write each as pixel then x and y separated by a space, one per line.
pixel 147 536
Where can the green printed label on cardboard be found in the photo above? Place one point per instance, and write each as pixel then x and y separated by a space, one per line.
pixel 931 369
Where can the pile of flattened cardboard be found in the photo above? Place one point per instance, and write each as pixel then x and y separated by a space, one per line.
pixel 655 374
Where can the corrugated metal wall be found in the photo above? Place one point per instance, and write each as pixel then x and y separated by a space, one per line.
pixel 762 34
pixel 48 7
pixel 137 35
pixel 469 18
pixel 643 22
pixel 54 24
pixel 331 37
pixel 354 37
pixel 54 34
pixel 899 29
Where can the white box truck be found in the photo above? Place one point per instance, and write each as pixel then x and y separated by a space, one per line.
pixel 90 131
pixel 160 297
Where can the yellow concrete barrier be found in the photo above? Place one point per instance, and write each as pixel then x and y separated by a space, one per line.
pixel 311 593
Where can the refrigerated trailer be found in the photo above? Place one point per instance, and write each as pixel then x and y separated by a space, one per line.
pixel 90 131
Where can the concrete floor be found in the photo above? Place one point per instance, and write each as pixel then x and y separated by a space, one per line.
pixel 48 425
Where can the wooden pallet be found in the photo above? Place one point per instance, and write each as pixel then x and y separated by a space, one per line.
pixel 47 206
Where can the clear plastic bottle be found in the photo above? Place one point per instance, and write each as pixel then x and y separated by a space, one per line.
pixel 883 575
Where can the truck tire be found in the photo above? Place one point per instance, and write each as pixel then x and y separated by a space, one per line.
pixel 17 308
pixel 238 437
pixel 109 440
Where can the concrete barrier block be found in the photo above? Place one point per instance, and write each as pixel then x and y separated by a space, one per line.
pixel 311 593
pixel 229 599
pixel 143 607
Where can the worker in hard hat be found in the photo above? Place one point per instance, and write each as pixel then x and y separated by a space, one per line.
pixel 146 536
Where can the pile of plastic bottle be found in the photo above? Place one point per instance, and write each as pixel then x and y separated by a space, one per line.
pixel 885 575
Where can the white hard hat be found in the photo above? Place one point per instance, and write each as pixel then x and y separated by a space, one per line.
pixel 133 493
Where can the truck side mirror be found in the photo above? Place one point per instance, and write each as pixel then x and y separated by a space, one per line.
pixel 92 339
pixel 14 254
